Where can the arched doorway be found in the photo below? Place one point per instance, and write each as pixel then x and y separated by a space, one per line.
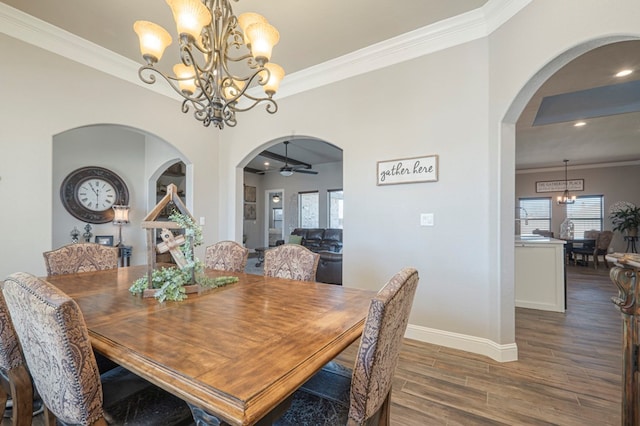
pixel 508 136
pixel 317 168
pixel 135 156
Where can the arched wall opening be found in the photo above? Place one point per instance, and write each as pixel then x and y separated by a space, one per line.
pixel 256 230
pixel 138 157
pixel 506 200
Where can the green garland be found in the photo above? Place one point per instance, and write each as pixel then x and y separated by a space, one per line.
pixel 169 282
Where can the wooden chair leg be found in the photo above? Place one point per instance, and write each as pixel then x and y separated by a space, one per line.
pixel 3 401
pixel 22 395
pixel 49 418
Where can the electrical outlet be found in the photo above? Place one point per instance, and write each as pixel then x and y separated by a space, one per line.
pixel 426 219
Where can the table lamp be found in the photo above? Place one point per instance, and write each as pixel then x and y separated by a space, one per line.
pixel 121 216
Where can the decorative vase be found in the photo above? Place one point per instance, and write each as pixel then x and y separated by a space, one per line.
pixel 566 229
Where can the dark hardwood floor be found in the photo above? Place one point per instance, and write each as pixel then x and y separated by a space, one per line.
pixel 568 371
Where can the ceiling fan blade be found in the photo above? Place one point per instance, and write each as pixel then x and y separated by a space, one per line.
pixel 307 171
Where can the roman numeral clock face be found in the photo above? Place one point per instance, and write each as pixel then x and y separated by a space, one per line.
pixel 89 193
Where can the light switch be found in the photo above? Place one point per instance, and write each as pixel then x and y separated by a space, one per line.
pixel 426 219
pixel 201 220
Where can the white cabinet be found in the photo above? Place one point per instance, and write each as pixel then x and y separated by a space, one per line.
pixel 539 274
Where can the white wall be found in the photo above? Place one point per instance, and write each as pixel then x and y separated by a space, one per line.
pixel 459 103
pixel 44 101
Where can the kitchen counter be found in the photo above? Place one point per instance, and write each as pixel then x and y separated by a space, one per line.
pixel 539 273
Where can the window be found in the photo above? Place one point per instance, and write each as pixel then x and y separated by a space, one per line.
pixel 335 208
pixel 586 214
pixel 536 215
pixel 309 210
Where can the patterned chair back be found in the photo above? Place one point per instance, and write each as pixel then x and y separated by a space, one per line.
pixel 81 257
pixel 57 349
pixel 604 241
pixel 291 261
pixel 14 371
pixel 226 256
pixel 379 349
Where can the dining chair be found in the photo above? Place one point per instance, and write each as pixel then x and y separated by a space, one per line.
pixel 602 248
pixel 15 380
pixel 291 261
pixel 57 350
pixel 226 256
pixel 337 395
pixel 80 257
pixel 587 248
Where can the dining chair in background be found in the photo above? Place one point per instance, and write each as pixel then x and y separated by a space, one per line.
pixel 80 257
pixel 337 395
pixel 57 350
pixel 291 261
pixel 15 380
pixel 226 256
pixel 600 248
pixel 586 249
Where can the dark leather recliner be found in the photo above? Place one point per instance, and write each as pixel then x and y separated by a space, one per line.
pixel 329 268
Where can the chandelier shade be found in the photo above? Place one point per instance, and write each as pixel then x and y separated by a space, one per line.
pixel 566 197
pixel 223 57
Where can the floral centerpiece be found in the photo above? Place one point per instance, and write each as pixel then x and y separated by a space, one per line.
pixel 625 217
pixel 170 282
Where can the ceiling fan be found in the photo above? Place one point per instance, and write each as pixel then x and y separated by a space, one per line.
pixel 288 170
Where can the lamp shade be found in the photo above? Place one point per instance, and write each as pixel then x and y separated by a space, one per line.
pixel 263 37
pixel 186 80
pixel 276 74
pixel 153 40
pixel 190 16
pixel 121 214
pixel 247 19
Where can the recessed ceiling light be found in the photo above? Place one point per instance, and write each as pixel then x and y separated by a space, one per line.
pixel 580 124
pixel 266 163
pixel 624 73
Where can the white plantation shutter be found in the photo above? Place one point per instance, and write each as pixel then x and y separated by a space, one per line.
pixel 586 214
pixel 538 215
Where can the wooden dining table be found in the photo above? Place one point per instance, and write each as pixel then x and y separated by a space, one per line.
pixel 237 352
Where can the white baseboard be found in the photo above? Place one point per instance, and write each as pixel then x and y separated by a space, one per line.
pixel 500 353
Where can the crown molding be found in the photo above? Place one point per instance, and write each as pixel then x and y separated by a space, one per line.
pixel 579 167
pixel 441 35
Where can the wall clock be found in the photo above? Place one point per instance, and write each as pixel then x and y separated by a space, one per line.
pixel 89 193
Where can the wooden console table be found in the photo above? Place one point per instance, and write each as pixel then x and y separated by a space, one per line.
pixel 625 276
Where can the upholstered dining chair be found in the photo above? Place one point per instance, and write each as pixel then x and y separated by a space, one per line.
pixel 291 261
pixel 15 380
pixel 601 248
pixel 337 395
pixel 57 350
pixel 80 257
pixel 588 249
pixel 226 256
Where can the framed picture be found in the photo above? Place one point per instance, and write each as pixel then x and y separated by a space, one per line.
pixel 105 240
pixel 250 194
pixel 408 170
pixel 559 185
pixel 250 211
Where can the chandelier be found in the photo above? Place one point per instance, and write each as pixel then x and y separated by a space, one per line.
pixel 566 198
pixel 222 56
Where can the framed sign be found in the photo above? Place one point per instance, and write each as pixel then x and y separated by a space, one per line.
pixel 105 240
pixel 408 170
pixel 250 194
pixel 250 211
pixel 559 185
